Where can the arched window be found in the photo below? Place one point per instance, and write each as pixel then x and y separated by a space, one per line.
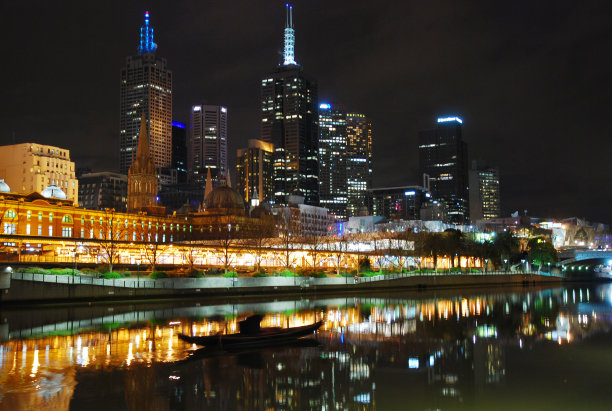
pixel 67 219
pixel 10 214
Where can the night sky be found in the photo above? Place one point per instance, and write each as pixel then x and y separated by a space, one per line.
pixel 531 80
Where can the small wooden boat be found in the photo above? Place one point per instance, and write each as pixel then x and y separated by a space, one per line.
pixel 252 336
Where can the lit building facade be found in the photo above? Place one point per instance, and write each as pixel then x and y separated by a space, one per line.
pixel 358 161
pixel 98 191
pixel 145 91
pixel 31 167
pixel 398 202
pixel 207 146
pixel 333 158
pixel 255 171
pixel 484 192
pixel 289 121
pixel 443 157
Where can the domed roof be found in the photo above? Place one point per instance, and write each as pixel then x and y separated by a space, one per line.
pixel 224 197
pixel 53 191
pixel 4 188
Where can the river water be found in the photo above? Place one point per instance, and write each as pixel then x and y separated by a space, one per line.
pixel 520 348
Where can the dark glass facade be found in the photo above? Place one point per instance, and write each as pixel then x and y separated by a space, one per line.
pixel 289 121
pixel 443 157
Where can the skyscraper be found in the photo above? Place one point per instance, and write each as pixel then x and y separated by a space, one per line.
pixel 484 191
pixel 146 90
pixel 359 161
pixel 333 158
pixel 254 171
pixel 443 158
pixel 289 121
pixel 207 147
pixel 179 150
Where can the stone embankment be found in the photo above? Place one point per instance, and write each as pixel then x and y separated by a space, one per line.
pixel 25 287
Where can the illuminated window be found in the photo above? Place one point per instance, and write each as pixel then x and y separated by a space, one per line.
pixel 10 214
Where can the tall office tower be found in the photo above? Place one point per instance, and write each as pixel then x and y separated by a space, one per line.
pixel 179 151
pixel 333 160
pixel 289 121
pixel 29 167
pixel 443 158
pixel 207 147
pixel 142 176
pixel 146 90
pixel 98 191
pixel 484 191
pixel 359 161
pixel 255 172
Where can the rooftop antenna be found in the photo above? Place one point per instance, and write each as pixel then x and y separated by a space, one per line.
pixel 146 37
pixel 289 52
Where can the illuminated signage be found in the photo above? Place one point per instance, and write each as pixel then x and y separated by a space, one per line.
pixel 447 119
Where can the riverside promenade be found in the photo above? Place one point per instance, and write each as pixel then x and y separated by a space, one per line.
pixel 23 287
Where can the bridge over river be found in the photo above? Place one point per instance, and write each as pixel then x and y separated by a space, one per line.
pixel 578 255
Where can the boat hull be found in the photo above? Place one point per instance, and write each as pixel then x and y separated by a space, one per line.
pixel 264 337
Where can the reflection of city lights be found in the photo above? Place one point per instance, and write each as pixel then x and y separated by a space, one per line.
pixel 130 356
pixel 35 364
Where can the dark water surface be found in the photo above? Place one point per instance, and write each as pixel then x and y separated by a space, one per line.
pixel 523 348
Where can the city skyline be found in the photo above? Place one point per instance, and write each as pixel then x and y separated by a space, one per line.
pixel 518 77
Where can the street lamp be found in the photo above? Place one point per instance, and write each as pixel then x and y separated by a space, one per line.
pixel 506 264
pixel 523 264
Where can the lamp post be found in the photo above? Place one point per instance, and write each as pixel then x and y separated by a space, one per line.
pixel 549 268
pixel 523 264
pixel 506 264
pixel 138 272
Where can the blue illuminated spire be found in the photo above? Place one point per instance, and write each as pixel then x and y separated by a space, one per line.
pixel 146 37
pixel 289 52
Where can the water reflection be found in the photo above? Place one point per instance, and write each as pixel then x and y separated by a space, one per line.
pixel 463 349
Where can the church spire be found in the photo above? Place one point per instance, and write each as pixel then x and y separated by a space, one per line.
pixel 208 188
pixel 143 160
pixel 146 37
pixel 289 52
pixel 142 175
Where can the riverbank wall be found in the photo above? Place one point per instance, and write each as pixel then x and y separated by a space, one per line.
pixel 36 288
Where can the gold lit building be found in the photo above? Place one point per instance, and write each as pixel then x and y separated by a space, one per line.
pixel 31 167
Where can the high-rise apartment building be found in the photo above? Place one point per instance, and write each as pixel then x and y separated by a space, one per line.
pixel 484 191
pixel 207 146
pixel 29 167
pixel 358 161
pixel 179 150
pixel 255 171
pixel 146 90
pixel 333 158
pixel 289 121
pixel 443 159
